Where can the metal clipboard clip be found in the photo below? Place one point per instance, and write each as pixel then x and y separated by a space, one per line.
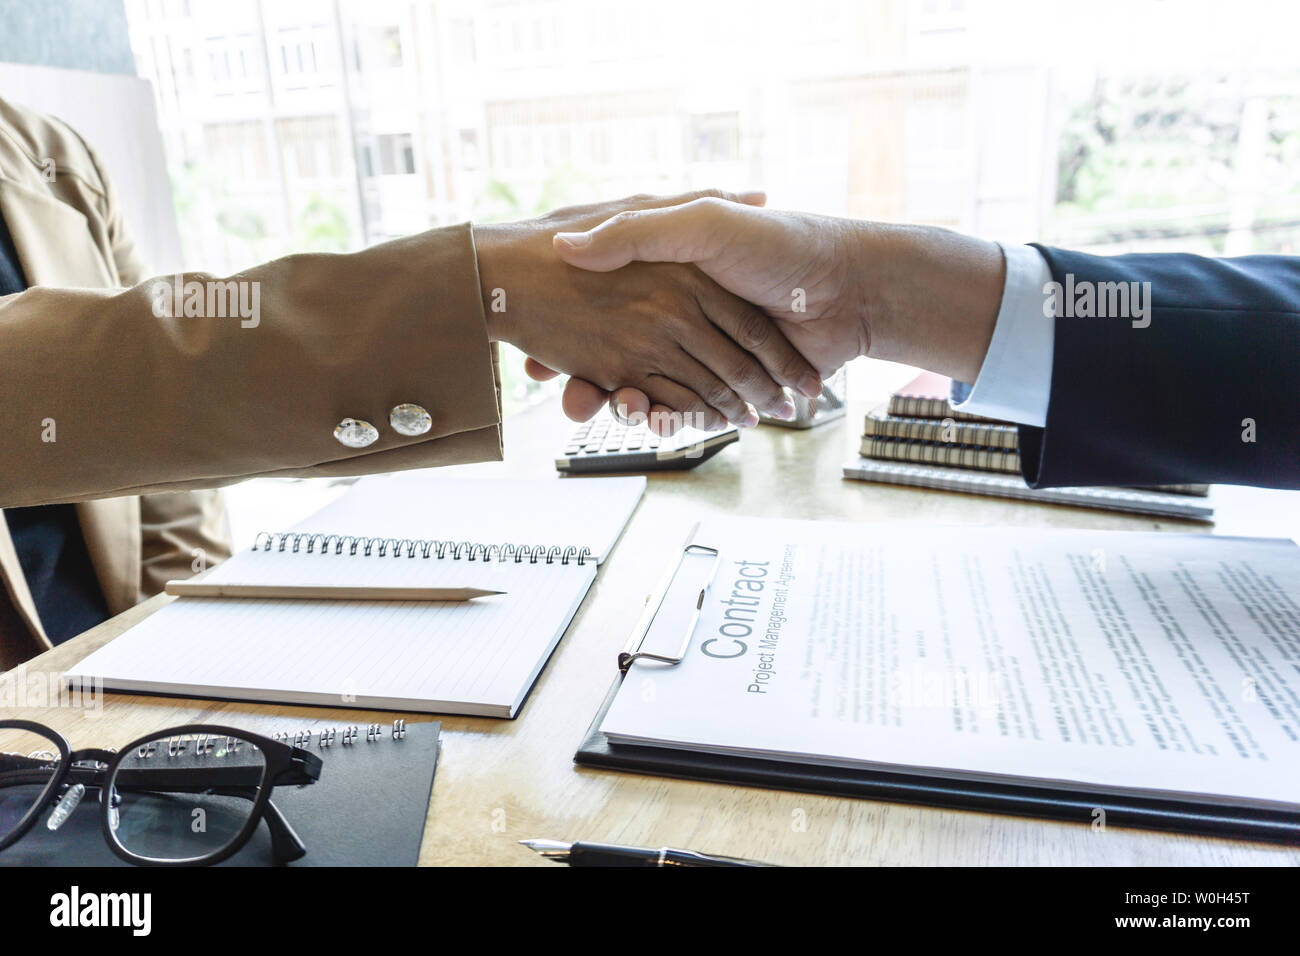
pixel 633 652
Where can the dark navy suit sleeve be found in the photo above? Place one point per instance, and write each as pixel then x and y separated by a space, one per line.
pixel 1208 391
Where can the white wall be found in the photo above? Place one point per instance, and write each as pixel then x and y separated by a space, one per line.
pixel 115 114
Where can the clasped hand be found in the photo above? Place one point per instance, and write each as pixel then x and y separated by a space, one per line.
pixel 696 307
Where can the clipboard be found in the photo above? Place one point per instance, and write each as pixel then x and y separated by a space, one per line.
pixel 1049 803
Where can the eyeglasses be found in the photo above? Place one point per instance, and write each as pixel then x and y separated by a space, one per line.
pixel 188 796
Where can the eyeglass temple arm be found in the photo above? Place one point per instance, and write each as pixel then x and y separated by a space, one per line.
pixel 304 768
pixel 286 845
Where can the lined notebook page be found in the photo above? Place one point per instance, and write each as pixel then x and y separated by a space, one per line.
pixel 478 657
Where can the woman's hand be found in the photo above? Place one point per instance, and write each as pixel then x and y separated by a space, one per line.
pixel 666 329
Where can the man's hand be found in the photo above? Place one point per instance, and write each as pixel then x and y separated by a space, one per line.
pixel 836 288
pixel 665 329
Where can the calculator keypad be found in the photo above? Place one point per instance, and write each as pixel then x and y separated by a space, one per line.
pixel 606 441
pixel 608 436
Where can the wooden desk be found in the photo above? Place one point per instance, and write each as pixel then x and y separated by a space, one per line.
pixel 500 781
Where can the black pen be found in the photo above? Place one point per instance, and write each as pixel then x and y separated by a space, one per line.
pixel 608 854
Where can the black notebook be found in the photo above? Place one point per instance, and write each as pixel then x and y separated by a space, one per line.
pixel 1104 678
pixel 367 809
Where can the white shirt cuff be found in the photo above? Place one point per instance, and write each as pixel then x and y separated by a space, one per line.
pixel 1015 381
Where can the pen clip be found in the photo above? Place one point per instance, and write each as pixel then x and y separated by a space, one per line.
pixel 634 653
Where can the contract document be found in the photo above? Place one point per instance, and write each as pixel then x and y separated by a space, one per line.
pixel 1153 665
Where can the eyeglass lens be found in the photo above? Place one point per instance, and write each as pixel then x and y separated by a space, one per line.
pixel 184 797
pixel 29 762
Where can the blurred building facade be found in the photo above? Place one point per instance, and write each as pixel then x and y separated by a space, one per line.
pixel 337 123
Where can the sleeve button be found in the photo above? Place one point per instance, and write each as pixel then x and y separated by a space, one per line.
pixel 355 433
pixel 410 420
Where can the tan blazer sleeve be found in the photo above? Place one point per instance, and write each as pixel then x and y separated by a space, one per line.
pixel 181 533
pixel 144 403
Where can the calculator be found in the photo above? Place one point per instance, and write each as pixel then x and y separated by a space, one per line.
pixel 606 445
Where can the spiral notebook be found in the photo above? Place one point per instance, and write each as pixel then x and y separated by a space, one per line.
pixel 1002 460
pixel 346 818
pixel 537 541
pixel 1139 501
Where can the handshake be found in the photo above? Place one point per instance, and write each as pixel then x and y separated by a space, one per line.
pixel 706 307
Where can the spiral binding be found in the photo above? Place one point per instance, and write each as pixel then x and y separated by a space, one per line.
pixel 315 542
pixel 348 735
pixel 206 744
